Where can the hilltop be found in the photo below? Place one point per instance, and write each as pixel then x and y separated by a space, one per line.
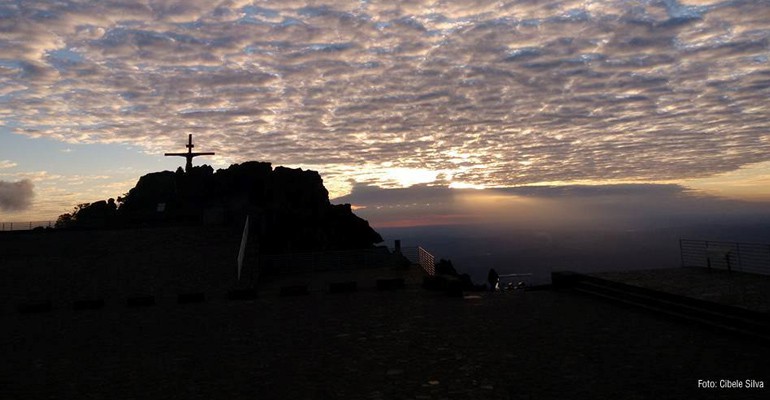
pixel 289 209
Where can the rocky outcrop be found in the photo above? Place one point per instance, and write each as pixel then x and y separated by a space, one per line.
pixel 289 209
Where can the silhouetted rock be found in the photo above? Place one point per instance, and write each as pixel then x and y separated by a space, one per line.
pixel 289 209
pixel 448 280
pixel 445 267
pixel 434 282
pixel 99 214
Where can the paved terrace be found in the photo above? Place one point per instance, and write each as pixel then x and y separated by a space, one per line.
pixel 403 344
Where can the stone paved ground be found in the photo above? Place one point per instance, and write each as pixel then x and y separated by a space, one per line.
pixel 409 344
pixel 366 279
pixel 738 289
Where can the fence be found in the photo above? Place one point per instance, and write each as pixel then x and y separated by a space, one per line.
pixel 420 256
pixel 25 226
pixel 732 256
pixel 426 261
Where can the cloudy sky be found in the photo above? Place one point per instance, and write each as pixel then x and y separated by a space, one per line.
pixel 380 95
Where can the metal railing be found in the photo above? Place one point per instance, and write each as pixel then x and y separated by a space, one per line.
pixel 418 255
pixel 25 226
pixel 731 256
pixel 426 261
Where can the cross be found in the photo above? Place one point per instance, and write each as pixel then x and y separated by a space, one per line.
pixel 189 155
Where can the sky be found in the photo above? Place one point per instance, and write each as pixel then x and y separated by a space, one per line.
pixel 455 111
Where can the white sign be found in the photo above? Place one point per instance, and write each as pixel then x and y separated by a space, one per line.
pixel 242 251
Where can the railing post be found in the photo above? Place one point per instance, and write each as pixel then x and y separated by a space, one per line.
pixel 738 250
pixel 681 254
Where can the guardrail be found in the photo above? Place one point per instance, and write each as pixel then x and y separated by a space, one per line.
pixel 25 226
pixel 418 255
pixel 731 256
pixel 426 261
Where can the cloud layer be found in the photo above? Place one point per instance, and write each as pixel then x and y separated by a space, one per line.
pixel 494 93
pixel 551 208
pixel 16 196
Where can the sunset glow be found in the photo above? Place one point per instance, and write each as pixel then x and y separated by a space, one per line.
pixel 483 95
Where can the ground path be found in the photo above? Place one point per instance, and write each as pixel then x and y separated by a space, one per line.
pixel 406 344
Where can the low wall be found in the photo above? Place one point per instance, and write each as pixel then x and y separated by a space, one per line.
pixel 66 266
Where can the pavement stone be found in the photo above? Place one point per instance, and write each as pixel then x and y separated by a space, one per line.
pixel 406 344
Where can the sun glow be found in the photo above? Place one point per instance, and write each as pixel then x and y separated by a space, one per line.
pixel 405 177
pixel 465 185
pixel 748 183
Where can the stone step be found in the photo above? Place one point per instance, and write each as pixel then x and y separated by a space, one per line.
pixel 741 321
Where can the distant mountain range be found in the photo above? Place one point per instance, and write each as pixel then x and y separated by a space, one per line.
pixel 476 249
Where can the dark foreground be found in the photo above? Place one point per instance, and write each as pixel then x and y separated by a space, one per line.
pixel 408 344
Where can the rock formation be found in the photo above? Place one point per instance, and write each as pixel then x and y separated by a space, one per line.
pixel 289 209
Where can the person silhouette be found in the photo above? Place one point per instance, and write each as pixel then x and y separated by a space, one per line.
pixel 493 278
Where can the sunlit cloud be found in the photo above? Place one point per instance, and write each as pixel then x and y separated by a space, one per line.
pixel 486 94
pixel 750 182
pixel 7 164
pixel 583 207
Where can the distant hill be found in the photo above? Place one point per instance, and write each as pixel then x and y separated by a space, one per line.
pixel 289 209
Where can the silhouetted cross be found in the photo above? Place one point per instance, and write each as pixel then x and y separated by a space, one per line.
pixel 189 155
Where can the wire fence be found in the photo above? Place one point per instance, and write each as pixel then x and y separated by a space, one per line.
pixel 426 260
pixel 25 226
pixel 731 256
